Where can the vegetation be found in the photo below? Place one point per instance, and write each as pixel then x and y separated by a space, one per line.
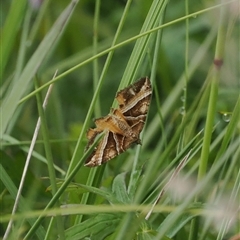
pixel 182 182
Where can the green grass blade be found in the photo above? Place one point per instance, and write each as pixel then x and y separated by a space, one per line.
pixel 52 175
pixel 10 30
pixel 23 204
pixel 15 93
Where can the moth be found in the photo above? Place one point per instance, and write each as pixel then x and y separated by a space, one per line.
pixel 123 125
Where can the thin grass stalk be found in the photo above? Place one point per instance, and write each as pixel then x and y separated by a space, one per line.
pixel 10 30
pixel 38 20
pixel 214 78
pixel 61 189
pixel 97 107
pixel 48 233
pixel 20 65
pixel 183 98
pixel 23 204
pixel 143 44
pixel 230 129
pixel 120 45
pixel 169 222
pixel 215 75
pixel 93 209
pixel 46 142
pixel 189 147
pixel 10 102
pixel 196 107
pixel 22 48
pixel 50 163
pixel 221 192
pixel 157 160
pixel 168 104
pixel 169 181
pixel 78 150
pixel 153 74
pixel 154 15
pixel 232 206
pixel 17 200
pixel 93 171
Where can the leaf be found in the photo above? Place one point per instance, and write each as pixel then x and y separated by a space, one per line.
pixel 147 232
pixel 135 181
pixel 119 189
pixel 97 227
pixel 105 194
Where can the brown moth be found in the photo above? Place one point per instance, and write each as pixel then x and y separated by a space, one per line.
pixel 123 125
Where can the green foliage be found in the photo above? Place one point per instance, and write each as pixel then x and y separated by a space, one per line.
pixel 189 51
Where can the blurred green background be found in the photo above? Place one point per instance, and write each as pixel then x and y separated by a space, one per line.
pixel 72 94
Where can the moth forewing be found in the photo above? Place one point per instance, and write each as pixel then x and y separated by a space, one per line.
pixel 123 125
